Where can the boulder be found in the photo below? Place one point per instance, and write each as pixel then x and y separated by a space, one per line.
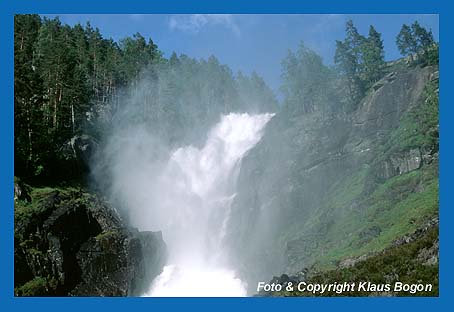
pixel 75 154
pixel 80 246
pixel 21 190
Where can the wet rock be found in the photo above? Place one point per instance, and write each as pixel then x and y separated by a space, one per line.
pixel 106 265
pixel 75 155
pixel 153 257
pixel 21 190
pixel 80 246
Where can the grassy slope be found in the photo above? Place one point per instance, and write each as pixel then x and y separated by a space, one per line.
pixel 390 210
pixel 397 263
pixel 394 208
pixel 399 205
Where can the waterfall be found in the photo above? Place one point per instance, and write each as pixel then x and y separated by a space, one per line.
pixel 191 204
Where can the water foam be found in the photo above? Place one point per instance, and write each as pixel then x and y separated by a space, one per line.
pixel 195 192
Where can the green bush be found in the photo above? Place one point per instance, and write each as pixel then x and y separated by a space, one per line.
pixel 37 287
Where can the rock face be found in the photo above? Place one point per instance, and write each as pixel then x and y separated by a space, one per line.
pixel 310 171
pixel 71 243
pixel 75 155
pixel 400 164
pixel 21 191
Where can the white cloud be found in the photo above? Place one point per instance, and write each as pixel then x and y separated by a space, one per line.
pixel 195 22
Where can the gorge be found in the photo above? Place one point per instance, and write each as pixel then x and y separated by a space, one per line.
pixel 141 175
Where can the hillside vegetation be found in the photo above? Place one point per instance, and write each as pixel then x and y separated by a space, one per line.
pixel 343 184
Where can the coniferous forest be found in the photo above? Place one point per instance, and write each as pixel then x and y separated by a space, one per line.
pixel 71 81
pixel 341 184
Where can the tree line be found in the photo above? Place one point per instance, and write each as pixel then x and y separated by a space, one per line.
pixel 70 81
pixel 309 85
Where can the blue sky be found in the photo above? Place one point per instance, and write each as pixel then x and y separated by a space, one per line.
pixel 250 42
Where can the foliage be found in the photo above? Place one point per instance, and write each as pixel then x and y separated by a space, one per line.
pixel 373 57
pixel 28 98
pixel 71 81
pixel 397 263
pixel 28 210
pixel 419 128
pixel 308 85
pixel 360 60
pixel 417 42
pixel 405 41
pixel 348 58
pixel 37 287
pixel 307 82
pixel 413 39
pixel 361 202
pixel 431 55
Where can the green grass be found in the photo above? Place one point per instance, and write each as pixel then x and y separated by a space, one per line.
pixel 418 128
pixel 26 209
pixel 347 190
pixel 397 207
pixel 389 210
pixel 394 208
pixel 341 195
pixel 397 263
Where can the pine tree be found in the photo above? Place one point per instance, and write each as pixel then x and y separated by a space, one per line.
pixel 423 37
pixel 67 82
pixel 414 39
pixel 29 134
pixel 305 81
pixel 373 57
pixel 348 57
pixel 405 40
pixel 354 41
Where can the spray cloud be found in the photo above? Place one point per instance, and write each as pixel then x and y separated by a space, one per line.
pixel 184 191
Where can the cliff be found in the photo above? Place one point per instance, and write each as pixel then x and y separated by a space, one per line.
pixel 321 188
pixel 69 242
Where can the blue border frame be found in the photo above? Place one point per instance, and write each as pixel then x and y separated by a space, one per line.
pixel 9 7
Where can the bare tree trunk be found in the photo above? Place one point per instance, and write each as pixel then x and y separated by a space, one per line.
pixel 54 119
pixel 72 119
pixel 29 131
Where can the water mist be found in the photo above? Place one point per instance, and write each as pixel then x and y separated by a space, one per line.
pixel 187 195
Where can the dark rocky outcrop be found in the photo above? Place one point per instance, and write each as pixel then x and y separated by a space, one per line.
pixel 21 190
pixel 74 155
pixel 70 243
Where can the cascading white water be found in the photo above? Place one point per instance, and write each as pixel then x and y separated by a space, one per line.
pixel 191 200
